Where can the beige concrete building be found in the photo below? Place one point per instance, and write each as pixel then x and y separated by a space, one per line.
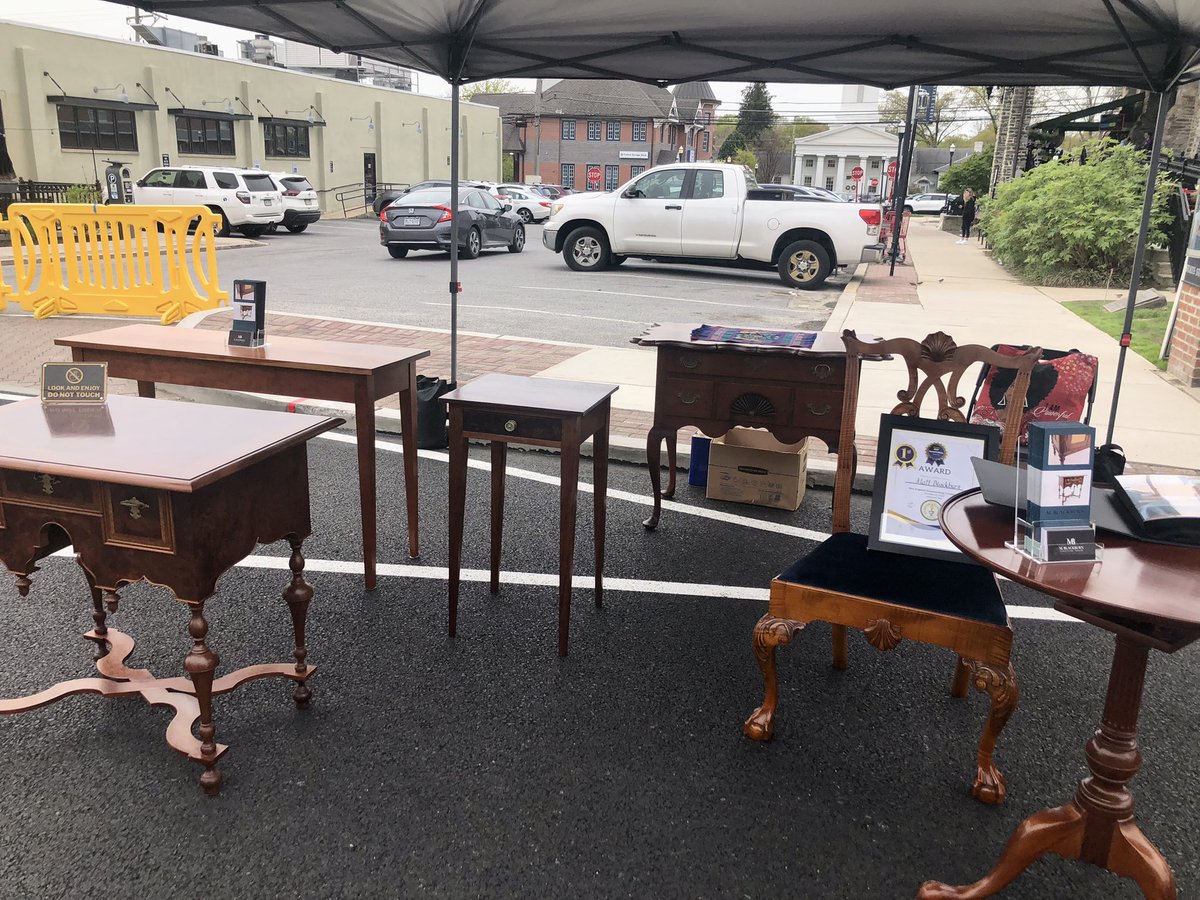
pixel 70 101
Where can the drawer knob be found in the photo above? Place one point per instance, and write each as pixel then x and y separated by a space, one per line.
pixel 687 399
pixel 822 370
pixel 135 507
pixel 510 426
pixel 689 363
pixel 819 409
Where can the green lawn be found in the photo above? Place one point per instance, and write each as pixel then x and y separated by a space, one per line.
pixel 1149 326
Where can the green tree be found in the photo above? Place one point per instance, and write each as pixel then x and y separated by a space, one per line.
pixel 489 86
pixel 948 111
pixel 1067 223
pixel 732 145
pixel 745 158
pixel 756 114
pixel 974 172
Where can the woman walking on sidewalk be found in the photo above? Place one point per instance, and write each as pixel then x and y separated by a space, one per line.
pixel 968 215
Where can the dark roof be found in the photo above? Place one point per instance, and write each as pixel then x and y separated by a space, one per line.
pixel 695 91
pixel 512 139
pixel 588 98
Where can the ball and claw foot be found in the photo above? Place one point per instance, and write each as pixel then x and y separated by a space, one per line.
pixel 210 782
pixel 760 726
pixel 302 695
pixel 989 785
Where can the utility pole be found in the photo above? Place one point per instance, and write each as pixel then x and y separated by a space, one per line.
pixel 537 135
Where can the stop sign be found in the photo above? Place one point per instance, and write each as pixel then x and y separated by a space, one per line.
pixel 593 175
pixel 891 170
pixel 857 173
pixel 874 182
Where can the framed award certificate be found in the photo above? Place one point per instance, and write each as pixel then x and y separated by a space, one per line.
pixel 922 463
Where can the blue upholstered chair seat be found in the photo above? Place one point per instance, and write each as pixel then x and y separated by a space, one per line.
pixel 843 564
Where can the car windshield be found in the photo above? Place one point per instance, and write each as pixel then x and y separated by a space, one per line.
pixel 296 183
pixel 425 197
pixel 259 182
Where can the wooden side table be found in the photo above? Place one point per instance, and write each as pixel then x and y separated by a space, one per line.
pixel 1145 595
pixel 511 409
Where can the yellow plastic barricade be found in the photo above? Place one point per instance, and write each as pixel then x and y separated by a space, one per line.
pixel 113 260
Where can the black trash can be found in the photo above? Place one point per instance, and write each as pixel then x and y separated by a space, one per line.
pixel 432 430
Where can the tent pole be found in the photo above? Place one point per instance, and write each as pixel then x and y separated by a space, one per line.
pixel 901 181
pixel 454 286
pixel 1139 252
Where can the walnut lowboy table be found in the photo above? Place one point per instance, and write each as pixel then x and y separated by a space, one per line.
pixel 297 367
pixel 173 493
pixel 1146 594
pixel 792 393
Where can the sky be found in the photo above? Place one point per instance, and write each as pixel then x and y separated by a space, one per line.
pixel 108 20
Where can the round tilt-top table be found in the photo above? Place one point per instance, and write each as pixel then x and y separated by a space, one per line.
pixel 1146 595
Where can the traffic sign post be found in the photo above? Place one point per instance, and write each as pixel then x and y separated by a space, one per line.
pixel 593 177
pixel 857 173
pixel 891 169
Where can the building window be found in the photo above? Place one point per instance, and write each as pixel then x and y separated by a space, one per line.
pixel 705 142
pixel 612 177
pixel 286 140
pixel 84 128
pixel 809 163
pixel 639 131
pixel 808 180
pixel 568 129
pixel 635 171
pixel 212 137
pixel 829 183
pixel 874 164
pixel 593 131
pixel 566 174
pixel 613 131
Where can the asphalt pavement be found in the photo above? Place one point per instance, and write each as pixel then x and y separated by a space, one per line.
pixel 488 767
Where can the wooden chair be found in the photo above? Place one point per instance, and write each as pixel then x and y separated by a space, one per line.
pixel 893 597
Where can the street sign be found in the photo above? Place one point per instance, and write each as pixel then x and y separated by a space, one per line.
pixel 593 177
pixel 891 170
pixel 874 182
pixel 857 173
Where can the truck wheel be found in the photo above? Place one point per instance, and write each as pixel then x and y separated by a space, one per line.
pixel 586 250
pixel 397 252
pixel 470 250
pixel 804 265
pixel 222 228
pixel 297 228
pixel 253 231
pixel 616 259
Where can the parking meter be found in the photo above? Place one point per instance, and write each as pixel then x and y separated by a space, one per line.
pixel 118 183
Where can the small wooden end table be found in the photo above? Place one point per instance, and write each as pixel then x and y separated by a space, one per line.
pixel 298 367
pixel 173 493
pixel 512 409
pixel 1145 594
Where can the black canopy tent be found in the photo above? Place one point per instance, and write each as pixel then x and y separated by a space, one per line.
pixel 1147 44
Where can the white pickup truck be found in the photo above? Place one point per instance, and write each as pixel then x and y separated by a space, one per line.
pixel 713 214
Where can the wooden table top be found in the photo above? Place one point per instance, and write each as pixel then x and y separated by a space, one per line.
pixel 279 352
pixel 1154 583
pixel 147 443
pixel 531 394
pixel 679 334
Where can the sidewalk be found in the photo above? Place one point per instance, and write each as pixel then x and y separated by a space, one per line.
pixel 953 288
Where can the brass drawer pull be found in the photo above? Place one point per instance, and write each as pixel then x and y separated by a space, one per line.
pixel 822 370
pixel 819 410
pixel 687 399
pixel 510 426
pixel 688 363
pixel 47 482
pixel 135 507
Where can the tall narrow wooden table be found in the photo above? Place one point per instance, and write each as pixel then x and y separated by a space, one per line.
pixel 174 493
pixel 1148 595
pixel 322 370
pixel 543 412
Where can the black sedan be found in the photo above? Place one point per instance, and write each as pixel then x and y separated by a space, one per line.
pixel 420 220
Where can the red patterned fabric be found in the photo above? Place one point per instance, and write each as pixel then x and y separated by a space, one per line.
pixel 1058 390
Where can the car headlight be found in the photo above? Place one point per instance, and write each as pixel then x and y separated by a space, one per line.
pixel 555 208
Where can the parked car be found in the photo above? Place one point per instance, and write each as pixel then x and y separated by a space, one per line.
pixel 795 192
pixel 300 202
pixel 245 199
pixel 925 203
pixel 383 198
pixel 553 191
pixel 529 205
pixel 420 220
pixel 704 213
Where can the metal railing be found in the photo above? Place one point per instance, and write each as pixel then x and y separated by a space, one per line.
pixel 353 197
pixel 25 191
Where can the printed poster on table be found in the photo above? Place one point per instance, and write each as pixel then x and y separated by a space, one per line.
pixel 921 464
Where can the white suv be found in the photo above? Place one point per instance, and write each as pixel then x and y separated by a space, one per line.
pixel 925 203
pixel 300 202
pixel 245 199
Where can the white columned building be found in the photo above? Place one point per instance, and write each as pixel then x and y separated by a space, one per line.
pixel 827 159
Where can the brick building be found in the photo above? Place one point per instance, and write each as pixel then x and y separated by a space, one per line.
pixel 608 130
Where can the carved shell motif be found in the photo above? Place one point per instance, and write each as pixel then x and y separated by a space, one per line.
pixel 753 405
pixel 882 634
pixel 938 347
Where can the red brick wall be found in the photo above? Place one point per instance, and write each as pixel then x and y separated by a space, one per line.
pixel 1184 363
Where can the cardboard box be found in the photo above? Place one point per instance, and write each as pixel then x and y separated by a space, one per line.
pixel 747 465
